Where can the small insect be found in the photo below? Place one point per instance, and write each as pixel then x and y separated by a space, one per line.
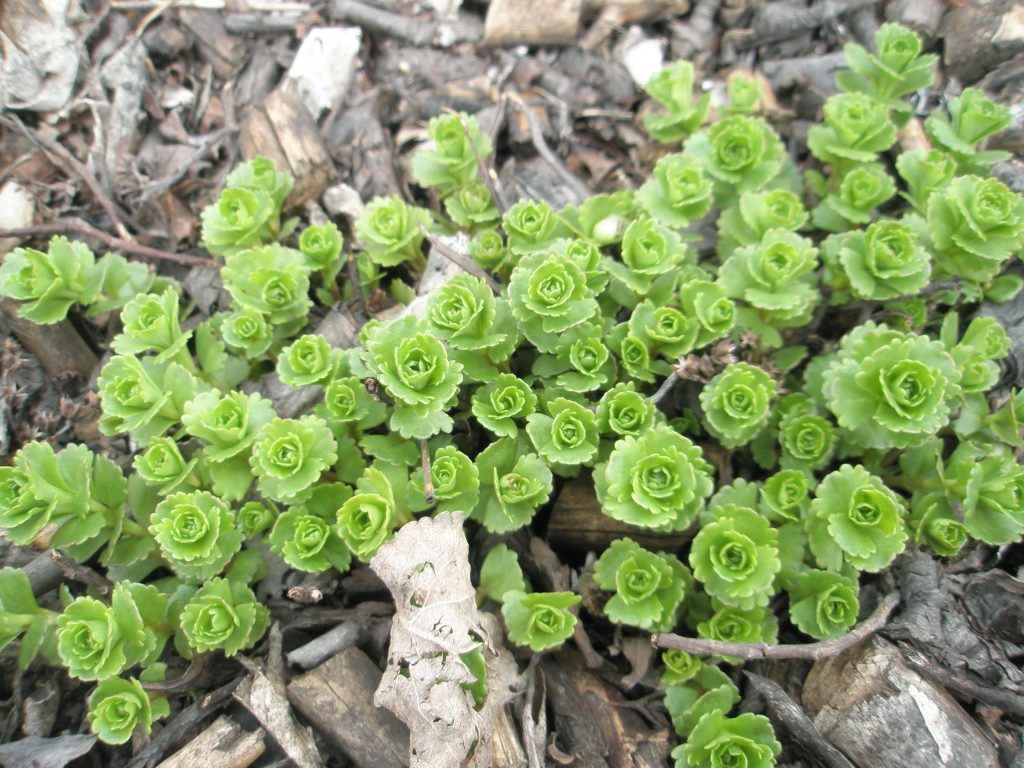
pixel 372 385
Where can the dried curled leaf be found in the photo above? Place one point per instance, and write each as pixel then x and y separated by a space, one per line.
pixel 436 627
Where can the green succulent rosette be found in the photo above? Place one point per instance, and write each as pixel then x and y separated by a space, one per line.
pixel 883 261
pixel 823 604
pixel 861 190
pixel 307 360
pixel 163 466
pixel 471 207
pixel 924 171
pixel 151 325
pixel 253 518
pixel 223 615
pixel 414 368
pixel 744 95
pixel 272 280
pixel 672 88
pixel 633 353
pixel 347 404
pixel 513 486
pixel 737 403
pixel 856 129
pixel 776 279
pixel 742 153
pixel 747 222
pixel 487 249
pixel 321 245
pixel 531 225
pixel 896 70
pixel 96 641
pixel 246 330
pixel 371 515
pixel 582 365
pixel 540 620
pixel 785 496
pixel 117 707
pixel 718 741
pixel 449 161
pixel 708 304
pixel 988 484
pixel 566 437
pixel 806 440
pixel 390 232
pixel 624 412
pixel 479 329
pixel 677 193
pixel 289 455
pixel 649 587
pixel 658 480
pixel 972 118
pixel 21 617
pixel 196 534
pixel 550 297
pixel 49 283
pixel 260 174
pixel 735 556
pixel 729 624
pixel 651 258
pixel 602 218
pixel 308 540
pixel 455 478
pixel 665 330
pixel 975 225
pixel 708 690
pixel 239 219
pixel 889 389
pixel 679 667
pixel 227 425
pixel 142 397
pixel 934 523
pixel 855 519
pixel 504 404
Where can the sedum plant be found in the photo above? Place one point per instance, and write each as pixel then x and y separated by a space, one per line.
pixel 793 392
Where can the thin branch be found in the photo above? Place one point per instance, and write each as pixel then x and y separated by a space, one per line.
pixel 460 260
pixel 750 651
pixel 187 680
pixel 161 185
pixel 578 188
pixel 81 573
pixel 79 228
pixel 428 480
pixel 489 176
pixel 72 168
pixel 666 387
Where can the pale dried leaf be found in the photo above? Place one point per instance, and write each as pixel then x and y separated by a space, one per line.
pixel 34 752
pixel 39 54
pixel 426 567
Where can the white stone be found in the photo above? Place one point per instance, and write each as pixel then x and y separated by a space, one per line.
pixel 643 59
pixel 323 67
pixel 17 211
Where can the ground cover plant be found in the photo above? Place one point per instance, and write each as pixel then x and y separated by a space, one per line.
pixel 593 341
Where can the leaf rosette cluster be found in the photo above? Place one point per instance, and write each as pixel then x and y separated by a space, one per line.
pixel 550 298
pixel 196 533
pixel 737 403
pixel 540 620
pixel 223 615
pixel 513 486
pixel 289 455
pixel 658 480
pixel 735 557
pixel 649 586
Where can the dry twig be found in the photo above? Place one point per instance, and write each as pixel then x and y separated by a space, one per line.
pixel 79 228
pixel 577 187
pixel 467 264
pixel 813 651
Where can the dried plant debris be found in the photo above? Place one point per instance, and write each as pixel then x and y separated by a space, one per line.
pixel 448 674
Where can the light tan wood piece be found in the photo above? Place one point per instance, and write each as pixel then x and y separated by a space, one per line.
pixel 532 22
pixel 282 129
pixel 225 744
pixel 337 698
pixel 58 347
pixel 577 523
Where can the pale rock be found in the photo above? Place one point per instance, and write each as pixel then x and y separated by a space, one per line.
pixel 17 210
pixel 323 67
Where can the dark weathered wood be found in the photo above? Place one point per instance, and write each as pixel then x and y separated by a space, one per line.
pixel 225 744
pixel 592 722
pixel 532 22
pixel 58 347
pixel 980 35
pixel 924 16
pixel 577 523
pixel 880 712
pixel 283 130
pixel 337 698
